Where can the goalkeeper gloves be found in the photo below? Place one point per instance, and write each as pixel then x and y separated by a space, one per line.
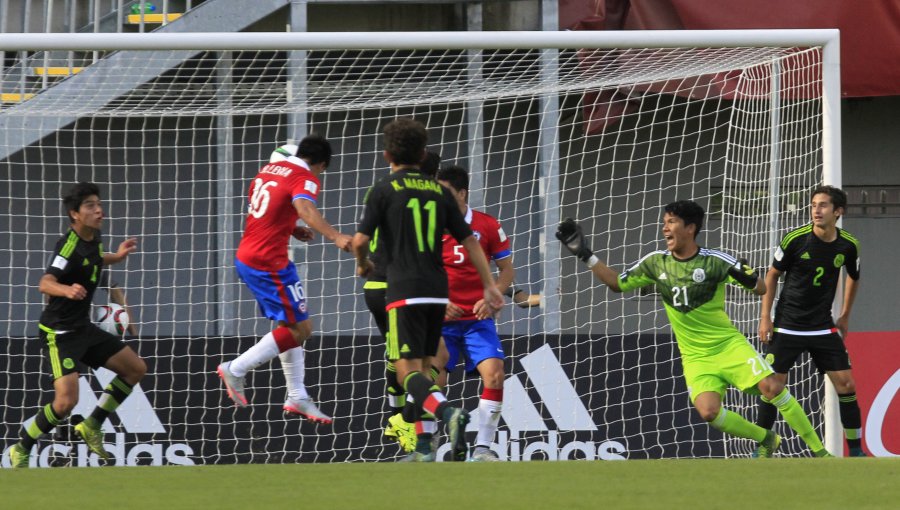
pixel 743 273
pixel 569 233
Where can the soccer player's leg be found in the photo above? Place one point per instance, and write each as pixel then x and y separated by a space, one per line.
pixel 830 356
pixel 62 351
pixel 280 298
pixel 298 402
pixel 415 333
pixel 397 428
pixel 709 376
pixel 761 379
pixel 485 353
pixel 112 354
pixel 782 352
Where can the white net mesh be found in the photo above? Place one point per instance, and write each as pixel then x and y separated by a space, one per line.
pixel 604 136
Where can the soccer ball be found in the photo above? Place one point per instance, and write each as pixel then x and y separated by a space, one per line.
pixel 282 153
pixel 111 318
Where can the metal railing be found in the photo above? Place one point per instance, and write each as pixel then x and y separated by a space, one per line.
pixel 23 74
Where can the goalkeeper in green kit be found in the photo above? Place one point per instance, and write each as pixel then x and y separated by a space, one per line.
pixel 691 282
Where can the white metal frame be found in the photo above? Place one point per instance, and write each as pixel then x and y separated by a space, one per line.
pixel 828 39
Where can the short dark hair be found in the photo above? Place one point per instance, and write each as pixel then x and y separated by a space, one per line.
pixel 690 212
pixel 430 164
pixel 457 176
pixel 315 149
pixel 405 140
pixel 77 195
pixel 838 196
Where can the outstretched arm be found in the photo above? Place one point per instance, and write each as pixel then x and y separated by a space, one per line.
pixel 125 249
pixel 309 213
pixel 569 233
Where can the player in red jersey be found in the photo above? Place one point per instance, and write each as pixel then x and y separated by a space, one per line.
pixel 282 191
pixel 469 329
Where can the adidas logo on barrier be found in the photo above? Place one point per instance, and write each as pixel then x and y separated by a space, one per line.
pixel 556 391
pixel 520 414
pixel 136 416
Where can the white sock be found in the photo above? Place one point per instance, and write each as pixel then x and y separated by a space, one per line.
pixel 293 364
pixel 265 350
pixel 488 420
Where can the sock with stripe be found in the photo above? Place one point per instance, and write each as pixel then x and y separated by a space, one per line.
pixel 113 396
pixel 736 425
pixel 851 419
pixel 489 408
pixel 425 430
pixel 44 421
pixel 395 392
pixel 796 418
pixel 269 346
pixel 425 393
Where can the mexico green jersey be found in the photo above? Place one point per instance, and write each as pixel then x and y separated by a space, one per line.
pixel 693 292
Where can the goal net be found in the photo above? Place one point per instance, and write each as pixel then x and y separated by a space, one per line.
pixel 548 128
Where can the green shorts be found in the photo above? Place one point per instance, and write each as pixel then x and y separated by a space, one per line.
pixel 738 365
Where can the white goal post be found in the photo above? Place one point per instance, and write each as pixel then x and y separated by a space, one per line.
pixel 605 127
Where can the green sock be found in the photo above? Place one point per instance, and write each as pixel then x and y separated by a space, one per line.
pixel 794 415
pixel 735 424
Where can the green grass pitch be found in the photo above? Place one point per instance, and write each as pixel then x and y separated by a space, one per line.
pixel 702 483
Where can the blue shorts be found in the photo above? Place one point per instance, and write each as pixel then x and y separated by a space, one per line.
pixel 476 340
pixel 279 293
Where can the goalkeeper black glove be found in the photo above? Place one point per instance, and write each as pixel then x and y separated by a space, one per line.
pixel 569 233
pixel 744 274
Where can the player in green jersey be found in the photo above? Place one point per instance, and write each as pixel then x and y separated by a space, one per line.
pixel 691 282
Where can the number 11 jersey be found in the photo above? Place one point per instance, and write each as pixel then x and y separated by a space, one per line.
pixel 411 213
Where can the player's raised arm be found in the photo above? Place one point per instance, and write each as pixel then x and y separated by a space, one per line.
pixel 570 234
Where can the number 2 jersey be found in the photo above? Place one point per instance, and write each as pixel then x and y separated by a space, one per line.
pixel 465 284
pixel 411 212
pixel 812 270
pixel 693 292
pixel 271 216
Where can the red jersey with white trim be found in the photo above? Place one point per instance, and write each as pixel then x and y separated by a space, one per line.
pixel 271 215
pixel 465 284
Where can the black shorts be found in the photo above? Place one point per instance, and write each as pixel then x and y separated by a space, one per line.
pixel 87 345
pixel 376 302
pixel 414 331
pixel 827 351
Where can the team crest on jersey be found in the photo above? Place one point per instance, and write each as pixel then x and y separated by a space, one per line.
pixel 699 275
pixel 839 260
pixel 477 235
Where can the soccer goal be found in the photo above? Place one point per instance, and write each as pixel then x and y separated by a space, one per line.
pixel 602 127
